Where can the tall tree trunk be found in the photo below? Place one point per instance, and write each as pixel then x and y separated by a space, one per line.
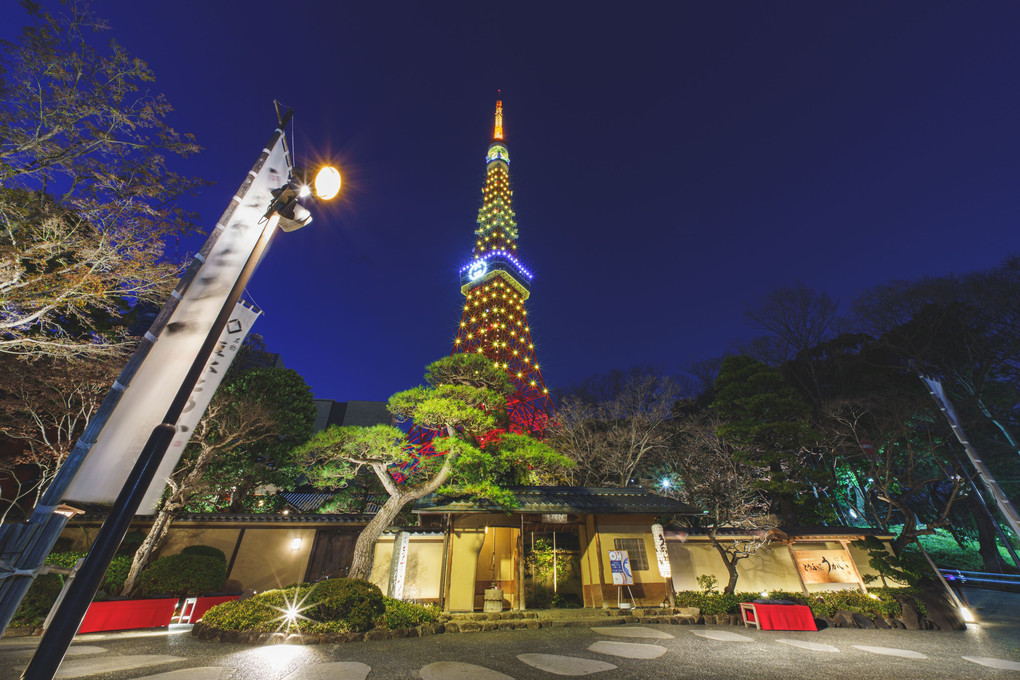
pixel 731 566
pixel 153 541
pixel 364 547
pixel 988 547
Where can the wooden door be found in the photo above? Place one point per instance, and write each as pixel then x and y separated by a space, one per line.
pixel 331 554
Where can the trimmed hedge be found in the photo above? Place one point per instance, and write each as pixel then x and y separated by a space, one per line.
pixel 205 551
pixel 340 605
pixel 357 603
pixel 822 604
pixel 400 614
pixel 182 575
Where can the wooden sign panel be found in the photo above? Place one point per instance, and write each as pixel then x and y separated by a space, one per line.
pixel 825 566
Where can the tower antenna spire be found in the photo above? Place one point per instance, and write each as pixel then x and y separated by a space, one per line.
pixel 498 130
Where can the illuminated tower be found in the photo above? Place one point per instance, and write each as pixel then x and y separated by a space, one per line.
pixel 496 286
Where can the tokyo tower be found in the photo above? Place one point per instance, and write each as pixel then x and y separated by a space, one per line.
pixel 496 286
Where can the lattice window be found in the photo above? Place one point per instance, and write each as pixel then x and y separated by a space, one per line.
pixel 635 548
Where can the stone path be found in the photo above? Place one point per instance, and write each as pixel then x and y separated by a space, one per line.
pixel 628 650
pixel 77 668
pixel 90 660
pixel 565 665
pixel 891 651
pixel 634 632
pixel 813 646
pixel 994 663
pixel 338 670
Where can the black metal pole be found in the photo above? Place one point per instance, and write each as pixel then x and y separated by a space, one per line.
pixel 57 638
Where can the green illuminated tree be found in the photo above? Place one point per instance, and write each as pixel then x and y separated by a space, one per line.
pixel 464 403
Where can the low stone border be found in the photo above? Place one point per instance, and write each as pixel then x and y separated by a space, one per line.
pixel 204 632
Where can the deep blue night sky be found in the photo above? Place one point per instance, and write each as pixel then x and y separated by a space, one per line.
pixel 670 167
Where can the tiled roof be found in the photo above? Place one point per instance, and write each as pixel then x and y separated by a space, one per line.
pixel 306 502
pixel 561 499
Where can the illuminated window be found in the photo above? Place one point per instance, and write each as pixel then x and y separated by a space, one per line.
pixel 635 548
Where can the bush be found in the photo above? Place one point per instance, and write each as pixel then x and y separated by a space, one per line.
pixel 205 551
pixel 331 606
pixel 708 602
pixel 116 574
pixel 822 604
pixel 38 600
pixel 357 603
pixel 400 614
pixel 182 575
pixel 264 612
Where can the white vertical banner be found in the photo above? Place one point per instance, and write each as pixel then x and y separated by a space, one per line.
pixel 400 549
pixel 661 551
pixel 161 373
pixel 223 355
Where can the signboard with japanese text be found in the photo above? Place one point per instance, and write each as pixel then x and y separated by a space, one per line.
pixel 160 374
pixel 226 349
pixel 825 566
pixel 619 564
pixel 400 548
pixel 661 552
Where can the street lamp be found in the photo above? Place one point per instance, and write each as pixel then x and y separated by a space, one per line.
pixel 285 211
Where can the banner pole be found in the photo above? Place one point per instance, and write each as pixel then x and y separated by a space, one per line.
pixel 24 546
pixel 69 614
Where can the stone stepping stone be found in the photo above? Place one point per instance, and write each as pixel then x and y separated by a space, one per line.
pixel 336 670
pixel 76 668
pixel 892 651
pixel 198 673
pixel 456 670
pixel 628 650
pixel 634 632
pixel 722 635
pixel 565 665
pixel 813 646
pixel 992 662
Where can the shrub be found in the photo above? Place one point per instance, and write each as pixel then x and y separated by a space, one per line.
pixel 822 604
pixel 263 612
pixel 116 574
pixel 38 600
pixel 401 614
pixel 709 603
pixel 182 575
pixel 205 551
pixel 566 601
pixel 331 606
pixel 357 603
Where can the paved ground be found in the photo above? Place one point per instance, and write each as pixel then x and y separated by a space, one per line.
pixel 991 650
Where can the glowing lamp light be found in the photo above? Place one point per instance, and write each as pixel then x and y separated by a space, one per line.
pixel 968 615
pixel 764 594
pixel 295 544
pixel 665 484
pixel 327 183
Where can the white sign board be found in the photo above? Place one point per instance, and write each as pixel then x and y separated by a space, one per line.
pixel 619 564
pixel 161 373
pixel 661 553
pixel 401 547
pixel 226 349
